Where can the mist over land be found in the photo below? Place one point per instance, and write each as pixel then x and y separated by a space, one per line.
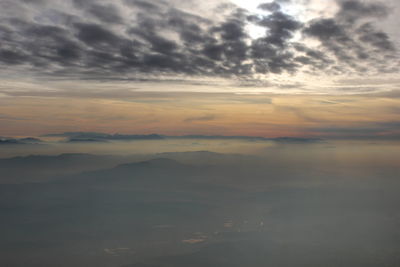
pixel 260 202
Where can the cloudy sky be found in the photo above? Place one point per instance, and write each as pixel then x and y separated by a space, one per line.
pixel 267 68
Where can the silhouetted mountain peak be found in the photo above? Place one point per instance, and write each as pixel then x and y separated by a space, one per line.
pixel 50 157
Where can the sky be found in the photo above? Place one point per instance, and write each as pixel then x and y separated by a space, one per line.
pixel 299 68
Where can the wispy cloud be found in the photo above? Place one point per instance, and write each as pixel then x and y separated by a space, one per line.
pixel 209 117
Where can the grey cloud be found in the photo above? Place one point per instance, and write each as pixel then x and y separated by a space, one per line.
pixel 353 40
pixel 379 39
pixel 106 13
pixel 353 10
pixel 273 6
pixel 95 35
pixel 315 58
pixel 325 29
pixel 142 4
pixel 280 27
pixel 9 56
pixel 96 39
pixel 272 53
pixel 35 2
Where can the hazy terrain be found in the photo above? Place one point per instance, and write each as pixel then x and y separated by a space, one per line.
pixel 288 203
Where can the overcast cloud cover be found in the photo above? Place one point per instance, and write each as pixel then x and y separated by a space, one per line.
pixel 135 39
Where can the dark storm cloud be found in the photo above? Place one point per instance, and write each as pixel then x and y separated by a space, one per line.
pixel 100 39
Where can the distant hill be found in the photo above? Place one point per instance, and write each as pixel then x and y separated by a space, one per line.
pixel 20 141
pixel 35 168
pixel 38 168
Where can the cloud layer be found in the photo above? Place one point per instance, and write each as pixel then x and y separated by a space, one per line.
pixel 101 39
